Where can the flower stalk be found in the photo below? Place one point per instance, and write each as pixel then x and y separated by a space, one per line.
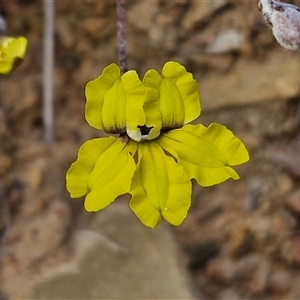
pixel 121 34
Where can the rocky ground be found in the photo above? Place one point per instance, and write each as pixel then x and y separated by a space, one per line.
pixel 241 239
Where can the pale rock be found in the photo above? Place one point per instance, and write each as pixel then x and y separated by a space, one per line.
pixel 83 241
pixel 118 258
pixel 226 41
pixel 252 82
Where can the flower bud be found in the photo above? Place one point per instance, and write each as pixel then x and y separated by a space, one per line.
pixel 284 19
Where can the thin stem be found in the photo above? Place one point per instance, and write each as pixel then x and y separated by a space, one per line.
pixel 48 66
pixel 4 220
pixel 3 25
pixel 121 32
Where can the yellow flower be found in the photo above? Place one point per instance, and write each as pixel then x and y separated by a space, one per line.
pixel 12 52
pixel 157 153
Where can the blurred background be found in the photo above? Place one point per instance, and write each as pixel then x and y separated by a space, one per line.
pixel 241 239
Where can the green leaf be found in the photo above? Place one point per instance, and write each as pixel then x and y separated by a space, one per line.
pixel 160 187
pixel 102 171
pixel 206 153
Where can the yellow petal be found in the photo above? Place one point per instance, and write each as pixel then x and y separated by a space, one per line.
pixel 6 63
pixel 16 47
pixel 179 101
pixel 115 102
pixel 135 97
pixel 206 153
pixel 106 101
pixel 187 87
pixel 102 171
pixel 12 52
pixel 152 112
pixel 160 187
pixel 151 83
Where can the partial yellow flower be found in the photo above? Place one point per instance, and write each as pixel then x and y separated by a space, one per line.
pixel 12 52
pixel 157 153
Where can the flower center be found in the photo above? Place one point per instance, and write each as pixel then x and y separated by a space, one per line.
pixel 144 130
